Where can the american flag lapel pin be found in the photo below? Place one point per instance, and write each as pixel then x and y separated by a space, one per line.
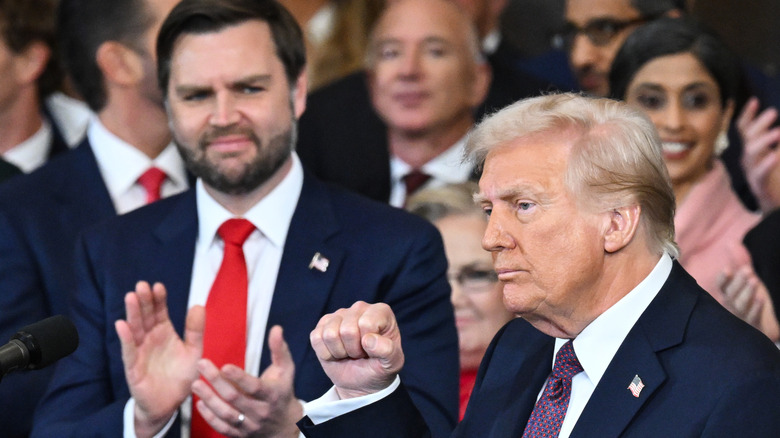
pixel 636 386
pixel 319 263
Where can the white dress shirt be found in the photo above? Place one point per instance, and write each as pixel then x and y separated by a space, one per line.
pixel 263 251
pixel 33 152
pixel 121 164
pixel 446 168
pixel 595 347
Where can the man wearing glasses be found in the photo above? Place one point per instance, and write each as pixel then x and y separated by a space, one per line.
pixel 595 30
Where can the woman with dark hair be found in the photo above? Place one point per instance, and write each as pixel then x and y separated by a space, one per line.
pixel 685 79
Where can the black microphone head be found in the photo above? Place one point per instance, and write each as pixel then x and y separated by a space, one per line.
pixel 48 340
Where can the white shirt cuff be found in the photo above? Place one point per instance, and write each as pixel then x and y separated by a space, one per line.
pixel 330 406
pixel 129 421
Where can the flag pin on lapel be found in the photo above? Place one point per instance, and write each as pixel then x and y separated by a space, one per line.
pixel 636 386
pixel 319 263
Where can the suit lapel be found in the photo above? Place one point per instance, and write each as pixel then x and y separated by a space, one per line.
pixel 301 291
pixel 82 191
pixel 612 406
pixel 171 261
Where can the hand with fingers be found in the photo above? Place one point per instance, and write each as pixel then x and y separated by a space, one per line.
pixel 237 404
pixel 159 366
pixel 760 155
pixel 745 296
pixel 359 348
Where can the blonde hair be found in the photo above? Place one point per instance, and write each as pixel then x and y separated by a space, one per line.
pixel 615 159
pixel 449 200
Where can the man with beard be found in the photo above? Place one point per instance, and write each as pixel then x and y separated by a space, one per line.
pixel 204 300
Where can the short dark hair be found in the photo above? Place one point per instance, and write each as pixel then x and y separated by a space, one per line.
pixel 670 36
pixel 205 16
pixel 654 8
pixel 83 25
pixel 24 22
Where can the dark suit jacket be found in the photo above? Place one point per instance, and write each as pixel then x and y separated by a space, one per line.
pixel 376 253
pixel 763 243
pixel 7 170
pixel 706 374
pixel 41 215
pixel 343 140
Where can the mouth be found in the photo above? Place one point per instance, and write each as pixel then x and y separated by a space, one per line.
pixel 229 144
pixel 591 81
pixel 410 98
pixel 675 150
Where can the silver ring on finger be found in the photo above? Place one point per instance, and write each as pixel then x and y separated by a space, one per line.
pixel 240 420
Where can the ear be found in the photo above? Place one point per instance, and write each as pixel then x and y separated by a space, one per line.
pixel 483 75
pixel 299 93
pixel 31 62
pixel 622 224
pixel 119 63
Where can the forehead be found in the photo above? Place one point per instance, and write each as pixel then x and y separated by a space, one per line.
pixel 582 11
pixel 245 48
pixel 534 165
pixel 416 20
pixel 674 72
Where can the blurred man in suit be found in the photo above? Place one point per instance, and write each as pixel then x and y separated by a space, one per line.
pixel 612 331
pixel 232 74
pixel 350 135
pixel 108 46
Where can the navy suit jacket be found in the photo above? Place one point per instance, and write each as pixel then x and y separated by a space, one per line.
pixel 376 253
pixel 706 374
pixel 41 215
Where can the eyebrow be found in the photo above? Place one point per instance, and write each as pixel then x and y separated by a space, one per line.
pixel 513 192
pixel 248 80
pixel 657 87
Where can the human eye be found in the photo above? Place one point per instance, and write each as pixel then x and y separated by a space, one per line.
pixel 651 101
pixel 601 32
pixel 696 100
pixel 194 95
pixel 388 52
pixel 250 89
pixel 436 50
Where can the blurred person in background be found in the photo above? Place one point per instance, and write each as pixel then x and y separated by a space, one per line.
pixel 685 79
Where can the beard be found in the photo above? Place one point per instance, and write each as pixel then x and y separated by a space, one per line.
pixel 269 158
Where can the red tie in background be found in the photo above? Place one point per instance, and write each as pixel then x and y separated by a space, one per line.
pixel 414 180
pixel 152 181
pixel 547 416
pixel 224 339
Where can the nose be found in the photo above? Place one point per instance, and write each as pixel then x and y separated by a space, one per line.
pixel 496 237
pixel 225 111
pixel 457 297
pixel 411 63
pixel 673 117
pixel 583 53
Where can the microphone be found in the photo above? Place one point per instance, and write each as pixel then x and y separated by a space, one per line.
pixel 38 345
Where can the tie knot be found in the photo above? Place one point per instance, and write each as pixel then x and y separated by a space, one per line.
pixel 235 231
pixel 566 362
pixel 414 180
pixel 151 181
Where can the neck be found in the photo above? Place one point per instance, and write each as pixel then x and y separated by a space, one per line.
pixel 418 148
pixel 20 120
pixel 242 203
pixel 140 124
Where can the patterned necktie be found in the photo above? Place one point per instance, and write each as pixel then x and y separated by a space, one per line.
pixel 547 416
pixel 152 181
pixel 224 338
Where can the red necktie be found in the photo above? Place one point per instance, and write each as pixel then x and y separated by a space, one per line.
pixel 414 180
pixel 152 181
pixel 547 416
pixel 224 338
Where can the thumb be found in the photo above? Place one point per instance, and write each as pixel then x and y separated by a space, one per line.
pixel 383 349
pixel 280 351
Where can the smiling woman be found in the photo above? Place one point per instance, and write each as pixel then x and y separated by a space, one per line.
pixel 684 78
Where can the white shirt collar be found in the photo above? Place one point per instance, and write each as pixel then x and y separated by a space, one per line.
pixel 598 343
pixel 447 167
pixel 121 164
pixel 271 216
pixel 33 152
